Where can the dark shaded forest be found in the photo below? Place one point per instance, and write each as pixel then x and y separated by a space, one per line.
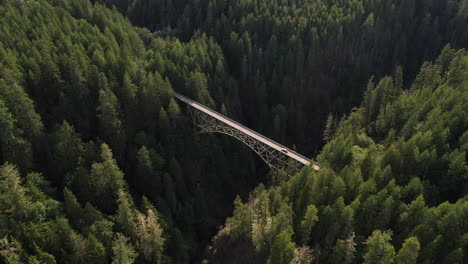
pixel 392 187
pixel 98 163
pixel 297 61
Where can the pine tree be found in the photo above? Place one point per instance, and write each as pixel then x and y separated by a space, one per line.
pixel 13 146
pixel 150 236
pixel 41 256
pixel 350 248
pixel 344 250
pixel 10 250
pixel 128 97
pixel 97 251
pixel 146 176
pixel 126 214
pixel 310 218
pixel 387 92
pixel 79 248
pixel 167 93
pixel 72 207
pixel 110 125
pixel 369 101
pixel 329 131
pixel 22 107
pixel 102 229
pixel 282 250
pixel 66 150
pixel 303 255
pixel 13 200
pixel 128 92
pixel 164 124
pixel 106 179
pixel 241 220
pixel 123 251
pixel 408 254
pixel 173 111
pixel 379 249
pixel 7 126
pixel 398 77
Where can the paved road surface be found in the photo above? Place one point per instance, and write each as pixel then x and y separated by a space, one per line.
pixel 291 153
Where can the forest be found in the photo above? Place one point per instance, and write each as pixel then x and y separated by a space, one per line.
pixel 100 164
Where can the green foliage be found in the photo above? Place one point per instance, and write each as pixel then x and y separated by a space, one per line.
pixel 10 250
pixel 282 250
pixel 241 218
pixel 379 249
pixel 302 255
pixel 330 128
pixel 124 253
pixel 150 236
pixel 66 150
pixel 344 250
pixel 97 251
pixel 395 164
pixel 310 218
pixel 126 215
pixel 408 254
pixel 72 206
pixel 110 124
pixel 13 199
pixel 312 57
pixel 14 147
pixel 86 99
pixel 106 179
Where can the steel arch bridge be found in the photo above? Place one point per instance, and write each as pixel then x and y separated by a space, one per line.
pixel 280 160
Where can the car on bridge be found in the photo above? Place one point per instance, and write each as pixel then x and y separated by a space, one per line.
pixel 284 150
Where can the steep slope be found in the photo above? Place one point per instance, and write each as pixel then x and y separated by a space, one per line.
pixel 98 164
pixel 295 61
pixel 393 183
pixel 86 100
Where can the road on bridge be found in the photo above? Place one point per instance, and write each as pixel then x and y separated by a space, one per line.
pixel 269 142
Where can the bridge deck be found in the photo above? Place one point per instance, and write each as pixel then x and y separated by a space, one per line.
pixel 271 143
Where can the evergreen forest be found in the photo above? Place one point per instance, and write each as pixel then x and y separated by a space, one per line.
pixel 100 163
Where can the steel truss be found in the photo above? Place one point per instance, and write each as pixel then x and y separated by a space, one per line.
pixel 279 163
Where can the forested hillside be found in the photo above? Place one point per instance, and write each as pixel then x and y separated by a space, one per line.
pixel 296 61
pixel 98 163
pixel 392 186
pixel 86 108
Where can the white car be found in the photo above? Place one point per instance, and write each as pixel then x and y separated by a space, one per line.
pixel 284 150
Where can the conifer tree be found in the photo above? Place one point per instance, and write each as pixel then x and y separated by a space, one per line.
pixel 106 179
pixel 10 250
pixel 123 251
pixel 97 251
pixel 66 148
pixel 282 249
pixel 150 236
pixel 408 253
pixel 164 124
pixel 329 131
pixel 72 207
pixel 13 147
pixel 110 125
pixel 13 200
pixel 146 176
pixel 126 214
pixel 79 248
pixel 310 218
pixel 303 255
pixel 379 249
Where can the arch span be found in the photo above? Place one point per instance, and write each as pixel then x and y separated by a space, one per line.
pixel 279 158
